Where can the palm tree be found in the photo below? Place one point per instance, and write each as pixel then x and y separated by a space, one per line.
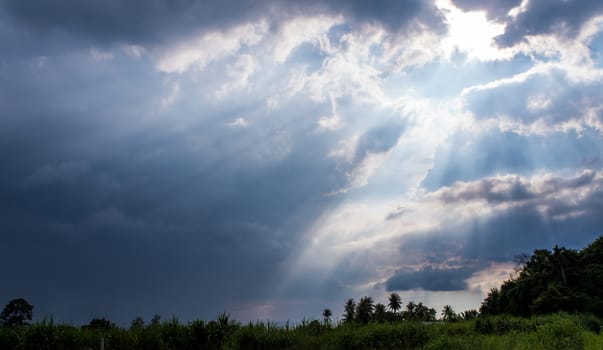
pixel 326 314
pixel 380 313
pixel 410 311
pixel 448 314
pixel 395 303
pixel 423 313
pixel 350 311
pixel 364 310
pixel 469 314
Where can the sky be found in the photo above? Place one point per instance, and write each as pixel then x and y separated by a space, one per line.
pixel 271 158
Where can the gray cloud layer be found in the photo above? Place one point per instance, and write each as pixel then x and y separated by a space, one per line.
pixel 142 21
pixel 431 279
pixel 116 212
pixel 379 139
pixel 466 157
pixel 544 16
pixel 494 8
pixel 539 215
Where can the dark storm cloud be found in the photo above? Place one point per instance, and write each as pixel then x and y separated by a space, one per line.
pixel 564 18
pixel 158 232
pixel 430 279
pixel 142 21
pixel 118 211
pixel 110 265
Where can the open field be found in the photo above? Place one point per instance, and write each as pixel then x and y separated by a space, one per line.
pixel 560 331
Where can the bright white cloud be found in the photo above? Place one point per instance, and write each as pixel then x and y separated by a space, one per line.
pixel 300 30
pixel 516 11
pixel 239 123
pixel 239 73
pixel 333 121
pixel 472 33
pixel 538 102
pixel 491 277
pixel 209 47
pixel 341 75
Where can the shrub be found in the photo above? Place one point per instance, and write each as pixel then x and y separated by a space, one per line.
pixel 591 323
pixel 260 337
pixel 560 333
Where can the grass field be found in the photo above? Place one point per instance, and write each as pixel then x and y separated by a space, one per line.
pixel 560 331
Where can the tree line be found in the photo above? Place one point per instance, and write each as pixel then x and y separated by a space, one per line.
pixel 550 281
pixel 366 310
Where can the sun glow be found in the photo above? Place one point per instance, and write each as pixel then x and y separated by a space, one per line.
pixel 471 33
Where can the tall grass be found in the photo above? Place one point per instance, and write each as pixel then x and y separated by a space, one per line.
pixel 560 331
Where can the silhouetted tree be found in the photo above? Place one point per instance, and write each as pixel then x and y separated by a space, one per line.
pixel 326 316
pixel 18 312
pixel 409 313
pixel 156 320
pixel 100 324
pixel 469 314
pixel 364 310
pixel 137 323
pixel 424 313
pixel 491 304
pixel 349 314
pixel 395 303
pixel 591 263
pixel 448 314
pixel 380 314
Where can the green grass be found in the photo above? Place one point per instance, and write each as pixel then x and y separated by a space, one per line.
pixel 560 331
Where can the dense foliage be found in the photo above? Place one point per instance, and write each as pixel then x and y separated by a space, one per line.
pixel 553 281
pixel 18 312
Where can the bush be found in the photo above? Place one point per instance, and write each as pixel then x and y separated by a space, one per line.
pixel 407 335
pixel 560 333
pixel 591 323
pixel 503 324
pixel 9 337
pixel 260 337
pixel 447 343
